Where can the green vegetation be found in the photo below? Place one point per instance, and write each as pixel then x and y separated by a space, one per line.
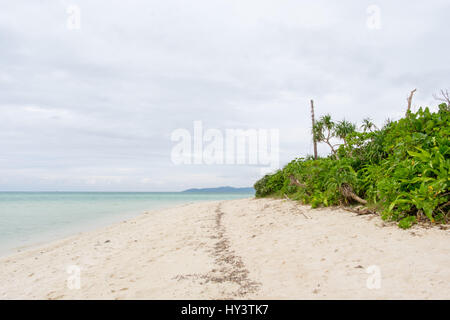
pixel 400 171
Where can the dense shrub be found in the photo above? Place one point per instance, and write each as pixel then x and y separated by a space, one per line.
pixel 401 170
pixel 269 184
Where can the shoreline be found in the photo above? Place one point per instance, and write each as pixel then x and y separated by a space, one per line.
pixel 61 232
pixel 51 239
pixel 236 249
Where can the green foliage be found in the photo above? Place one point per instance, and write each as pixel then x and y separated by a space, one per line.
pixel 401 169
pixel 407 222
pixel 269 184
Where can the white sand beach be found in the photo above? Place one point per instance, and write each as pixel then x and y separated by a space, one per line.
pixel 237 249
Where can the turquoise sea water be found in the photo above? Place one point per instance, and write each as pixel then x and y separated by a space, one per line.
pixel 33 217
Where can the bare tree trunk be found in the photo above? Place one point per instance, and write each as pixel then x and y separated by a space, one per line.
pixel 410 101
pixel 313 123
pixel 347 192
pixel 332 148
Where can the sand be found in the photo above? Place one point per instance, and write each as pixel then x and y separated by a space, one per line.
pixel 237 249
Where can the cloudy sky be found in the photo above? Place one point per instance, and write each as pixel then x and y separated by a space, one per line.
pixel 92 106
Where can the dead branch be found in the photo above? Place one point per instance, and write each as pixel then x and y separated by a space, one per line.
pixel 359 211
pixel 347 192
pixel 444 205
pixel 295 182
pixel 444 97
pixel 410 101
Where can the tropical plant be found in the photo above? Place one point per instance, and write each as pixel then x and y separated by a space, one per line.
pixel 400 170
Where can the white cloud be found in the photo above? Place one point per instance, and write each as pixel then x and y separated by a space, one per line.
pixel 78 105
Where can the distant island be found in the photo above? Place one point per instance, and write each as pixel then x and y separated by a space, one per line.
pixel 220 189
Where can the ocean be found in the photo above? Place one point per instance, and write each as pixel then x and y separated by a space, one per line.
pixel 28 218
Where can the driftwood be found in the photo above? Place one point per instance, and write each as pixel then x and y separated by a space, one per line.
pixel 347 192
pixel 359 211
pixel 345 189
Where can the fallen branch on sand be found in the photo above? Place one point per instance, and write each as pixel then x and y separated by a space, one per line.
pixel 345 189
pixel 359 211
pixel 347 192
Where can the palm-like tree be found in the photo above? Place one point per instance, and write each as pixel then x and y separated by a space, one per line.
pixel 324 130
pixel 343 129
pixel 368 125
